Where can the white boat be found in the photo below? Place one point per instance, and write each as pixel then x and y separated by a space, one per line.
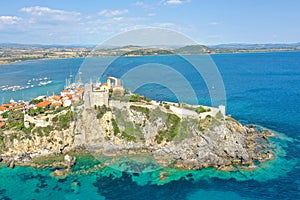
pixel 42 83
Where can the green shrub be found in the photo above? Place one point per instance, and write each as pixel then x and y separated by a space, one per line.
pixel 170 133
pixel 144 110
pixel 128 137
pixel 115 126
pixel 138 98
pixel 63 121
pixel 101 110
pixel 35 101
pixel 135 98
pixel 15 119
pixel 201 109
pixel 55 119
pixel 167 106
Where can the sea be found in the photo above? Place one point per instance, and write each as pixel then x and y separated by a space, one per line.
pixel 261 89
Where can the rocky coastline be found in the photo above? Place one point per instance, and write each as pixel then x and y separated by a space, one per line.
pixel 187 141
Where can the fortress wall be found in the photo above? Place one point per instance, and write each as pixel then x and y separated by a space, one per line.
pixel 118 104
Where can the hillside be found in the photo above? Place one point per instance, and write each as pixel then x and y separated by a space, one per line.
pixel 179 136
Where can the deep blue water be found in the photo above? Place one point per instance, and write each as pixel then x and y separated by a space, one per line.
pixel 261 88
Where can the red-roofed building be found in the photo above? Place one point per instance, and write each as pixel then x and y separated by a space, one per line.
pixel 70 96
pixel 19 107
pixel 56 104
pixel 7 105
pixel 105 87
pixel 43 104
pixel 2 108
pixel 66 92
pixel 54 98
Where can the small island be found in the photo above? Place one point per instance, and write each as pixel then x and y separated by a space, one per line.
pixel 108 120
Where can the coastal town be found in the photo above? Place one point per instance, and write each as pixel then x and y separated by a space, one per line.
pixel 91 95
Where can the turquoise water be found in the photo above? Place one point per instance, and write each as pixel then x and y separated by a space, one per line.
pixel 262 89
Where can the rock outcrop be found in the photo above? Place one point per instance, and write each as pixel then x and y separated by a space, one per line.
pixel 188 142
pixel 216 141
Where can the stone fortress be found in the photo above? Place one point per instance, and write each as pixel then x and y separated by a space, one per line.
pixel 96 94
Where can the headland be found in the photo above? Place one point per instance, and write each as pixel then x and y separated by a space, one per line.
pixel 108 120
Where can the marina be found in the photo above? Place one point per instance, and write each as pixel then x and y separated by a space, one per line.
pixel 41 81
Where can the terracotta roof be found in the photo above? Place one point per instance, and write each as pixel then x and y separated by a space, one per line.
pixel 18 107
pixel 56 104
pixel 43 104
pixel 70 96
pixel 2 108
pixel 55 97
pixel 7 105
pixel 65 91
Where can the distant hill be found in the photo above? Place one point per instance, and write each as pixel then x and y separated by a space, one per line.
pixel 193 49
pixel 148 51
pixel 11 52
pixel 254 46
pixel 240 48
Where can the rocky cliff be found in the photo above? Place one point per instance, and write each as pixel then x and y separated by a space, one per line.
pixel 187 142
pixel 180 141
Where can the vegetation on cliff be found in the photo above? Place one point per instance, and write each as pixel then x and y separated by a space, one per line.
pixel 200 138
pixel 171 130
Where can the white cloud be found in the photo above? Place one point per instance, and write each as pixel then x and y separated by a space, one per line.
pixel 48 14
pixel 112 13
pixel 142 5
pixel 139 3
pixel 9 20
pixel 151 14
pixel 47 25
pixel 174 2
pixel 214 23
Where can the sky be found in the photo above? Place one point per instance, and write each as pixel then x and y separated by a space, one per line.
pixel 207 22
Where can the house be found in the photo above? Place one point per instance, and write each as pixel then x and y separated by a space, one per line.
pixel 43 104
pixel 78 94
pixel 2 109
pixel 104 87
pixel 56 104
pixel 18 107
pixel 7 105
pixel 66 92
pixel 54 98
pixel 116 85
pixel 67 102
